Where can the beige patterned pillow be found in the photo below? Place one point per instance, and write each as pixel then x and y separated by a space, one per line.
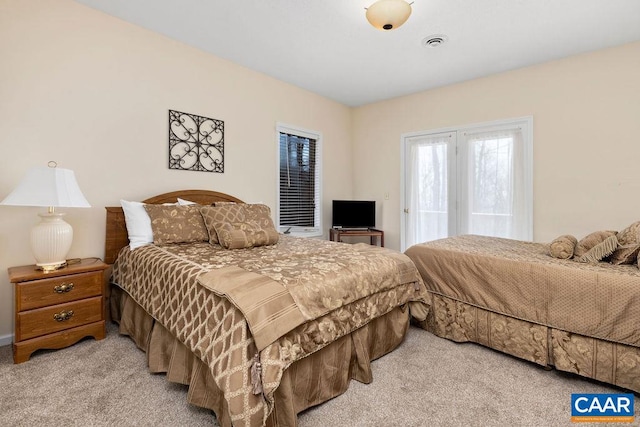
pixel 238 235
pixel 240 225
pixel 223 213
pixel 177 224
pixel 596 246
pixel 563 247
pixel 629 245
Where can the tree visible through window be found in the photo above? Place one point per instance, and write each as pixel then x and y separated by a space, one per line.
pixel 298 181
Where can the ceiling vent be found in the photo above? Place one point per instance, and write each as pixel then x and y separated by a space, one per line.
pixel 435 40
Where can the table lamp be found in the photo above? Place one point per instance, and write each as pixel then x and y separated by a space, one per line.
pixel 50 187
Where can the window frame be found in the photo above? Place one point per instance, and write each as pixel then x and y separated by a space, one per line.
pixel 316 230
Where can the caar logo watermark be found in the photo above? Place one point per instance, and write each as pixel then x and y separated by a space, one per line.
pixel 605 408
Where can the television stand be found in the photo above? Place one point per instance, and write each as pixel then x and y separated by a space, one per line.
pixel 336 234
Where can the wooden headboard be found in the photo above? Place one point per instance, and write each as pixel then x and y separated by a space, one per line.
pixel 116 230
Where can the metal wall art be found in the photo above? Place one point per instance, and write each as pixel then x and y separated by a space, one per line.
pixel 196 143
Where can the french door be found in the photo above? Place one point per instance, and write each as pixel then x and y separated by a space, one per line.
pixel 469 180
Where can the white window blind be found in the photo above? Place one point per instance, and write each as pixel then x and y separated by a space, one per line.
pixel 298 182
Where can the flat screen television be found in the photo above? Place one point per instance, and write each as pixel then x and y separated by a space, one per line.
pixel 358 214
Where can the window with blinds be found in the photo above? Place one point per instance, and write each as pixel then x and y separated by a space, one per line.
pixel 298 181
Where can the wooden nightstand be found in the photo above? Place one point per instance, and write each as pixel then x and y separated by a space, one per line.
pixel 55 310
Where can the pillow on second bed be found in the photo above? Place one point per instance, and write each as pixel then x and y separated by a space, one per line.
pixel 629 241
pixel 563 247
pixel 237 226
pixel 177 224
pixel 596 246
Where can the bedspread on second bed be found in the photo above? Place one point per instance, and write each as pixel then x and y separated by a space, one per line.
pixel 362 283
pixel 521 280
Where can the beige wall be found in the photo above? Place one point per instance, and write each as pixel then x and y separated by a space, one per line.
pixel 586 112
pixel 93 93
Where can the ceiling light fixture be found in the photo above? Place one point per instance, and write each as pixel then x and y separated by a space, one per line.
pixel 388 14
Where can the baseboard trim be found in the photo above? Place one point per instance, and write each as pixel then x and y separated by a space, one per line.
pixel 6 340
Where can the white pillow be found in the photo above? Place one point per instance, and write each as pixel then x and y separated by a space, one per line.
pixel 183 202
pixel 138 224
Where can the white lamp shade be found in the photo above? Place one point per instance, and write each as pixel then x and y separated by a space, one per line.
pixel 388 14
pixel 45 186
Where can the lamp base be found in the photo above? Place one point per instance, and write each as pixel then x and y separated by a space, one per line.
pixel 48 268
pixel 50 241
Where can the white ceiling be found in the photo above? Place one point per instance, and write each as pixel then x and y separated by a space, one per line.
pixel 328 47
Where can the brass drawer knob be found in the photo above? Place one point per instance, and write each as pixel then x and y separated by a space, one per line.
pixel 63 315
pixel 64 288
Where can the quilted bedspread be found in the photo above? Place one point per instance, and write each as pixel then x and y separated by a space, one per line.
pixel 521 280
pixel 249 313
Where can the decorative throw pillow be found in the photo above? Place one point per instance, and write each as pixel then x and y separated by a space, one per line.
pixel 240 225
pixel 629 245
pixel 261 214
pixel 176 224
pixel 249 234
pixel 596 246
pixel 563 247
pixel 212 215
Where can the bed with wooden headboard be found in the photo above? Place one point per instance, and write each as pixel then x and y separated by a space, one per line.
pixel 232 364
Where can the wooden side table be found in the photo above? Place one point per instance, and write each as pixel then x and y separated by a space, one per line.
pixel 336 234
pixel 56 309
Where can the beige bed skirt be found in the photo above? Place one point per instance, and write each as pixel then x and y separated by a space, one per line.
pixel 334 366
pixel 606 361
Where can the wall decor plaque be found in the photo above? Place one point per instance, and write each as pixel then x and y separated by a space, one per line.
pixel 196 143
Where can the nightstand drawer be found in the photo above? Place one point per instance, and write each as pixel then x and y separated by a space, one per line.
pixel 42 321
pixel 58 290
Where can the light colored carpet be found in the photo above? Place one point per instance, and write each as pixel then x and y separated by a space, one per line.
pixel 427 381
